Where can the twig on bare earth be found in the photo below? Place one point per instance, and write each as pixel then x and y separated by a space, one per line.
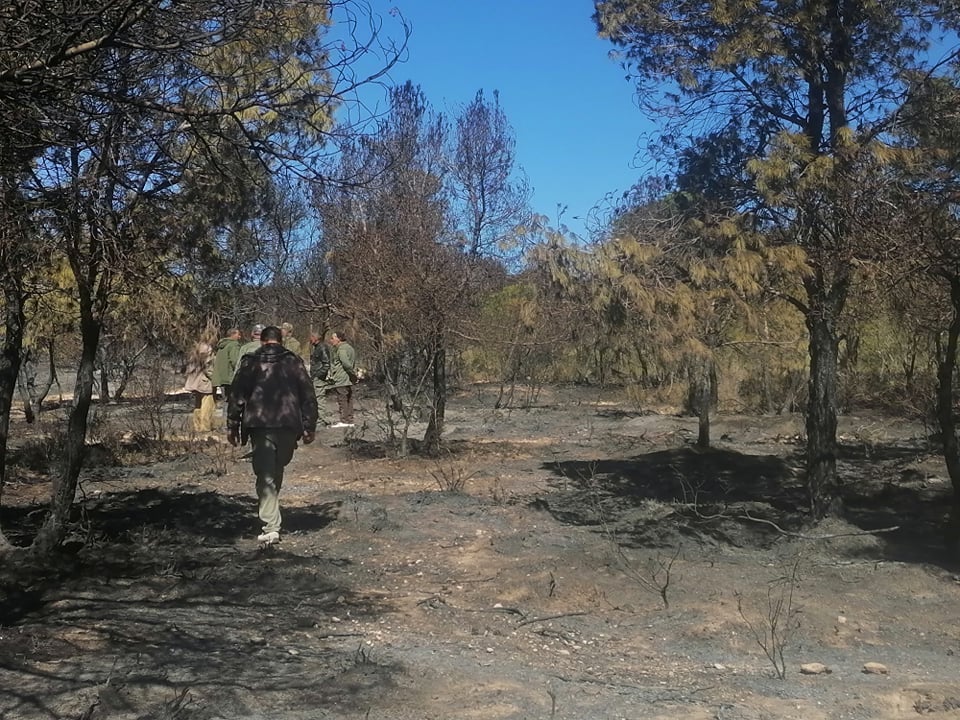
pixel 506 610
pixel 326 636
pixel 680 694
pixel 665 694
pixel 550 617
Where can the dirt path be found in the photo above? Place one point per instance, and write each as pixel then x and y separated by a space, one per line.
pixel 531 593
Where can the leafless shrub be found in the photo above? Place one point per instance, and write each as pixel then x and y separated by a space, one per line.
pixel 450 477
pixel 655 574
pixel 355 500
pixel 774 625
pixel 363 656
pixel 148 537
pixel 553 702
pixel 219 456
pixel 149 418
pixel 38 453
pixel 498 493
pixel 177 708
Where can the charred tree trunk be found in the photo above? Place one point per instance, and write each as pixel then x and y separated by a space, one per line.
pixel 431 439
pixel 29 391
pixel 42 392
pixel 947 362
pixel 703 427
pixel 92 267
pixel 28 415
pixel 702 395
pixel 821 422
pixel 54 527
pixel 32 392
pixel 512 369
pixel 15 321
pixel 391 369
pixel 104 371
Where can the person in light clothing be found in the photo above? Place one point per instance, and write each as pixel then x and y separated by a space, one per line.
pixel 197 382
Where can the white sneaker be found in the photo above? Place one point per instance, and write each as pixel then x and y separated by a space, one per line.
pixel 342 425
pixel 268 538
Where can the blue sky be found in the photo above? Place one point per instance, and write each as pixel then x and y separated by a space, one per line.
pixel 577 126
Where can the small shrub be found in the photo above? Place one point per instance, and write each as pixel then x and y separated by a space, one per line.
pixel 774 626
pixel 450 477
pixel 150 418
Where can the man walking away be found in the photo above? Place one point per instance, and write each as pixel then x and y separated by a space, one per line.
pixel 342 377
pixel 273 404
pixel 225 363
pixel 319 369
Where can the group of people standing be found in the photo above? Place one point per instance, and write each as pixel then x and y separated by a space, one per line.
pixel 211 370
pixel 272 400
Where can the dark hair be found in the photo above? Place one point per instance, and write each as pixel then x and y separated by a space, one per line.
pixel 339 335
pixel 271 332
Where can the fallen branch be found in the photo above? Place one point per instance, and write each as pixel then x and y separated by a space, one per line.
pixel 804 536
pixel 787 533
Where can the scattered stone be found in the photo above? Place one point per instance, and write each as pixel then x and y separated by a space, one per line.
pixel 875 668
pixel 815 668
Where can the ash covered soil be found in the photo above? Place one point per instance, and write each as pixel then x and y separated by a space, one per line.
pixel 579 558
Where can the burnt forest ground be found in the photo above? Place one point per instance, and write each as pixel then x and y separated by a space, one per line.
pixel 575 558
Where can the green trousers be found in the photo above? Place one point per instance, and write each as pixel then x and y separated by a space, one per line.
pixel 272 451
pixel 324 416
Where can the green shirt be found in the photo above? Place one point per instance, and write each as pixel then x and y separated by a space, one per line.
pixel 343 359
pixel 250 347
pixel 292 344
pixel 225 364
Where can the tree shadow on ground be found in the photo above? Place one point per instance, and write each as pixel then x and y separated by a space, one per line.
pixel 368 449
pixel 722 496
pixel 688 475
pixel 879 490
pixel 659 498
pixel 873 452
pixel 130 516
pixel 161 582
pixel 175 617
pixel 882 488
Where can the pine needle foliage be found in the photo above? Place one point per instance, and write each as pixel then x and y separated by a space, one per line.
pixel 815 89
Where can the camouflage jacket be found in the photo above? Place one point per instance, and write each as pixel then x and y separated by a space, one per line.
pixel 272 390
